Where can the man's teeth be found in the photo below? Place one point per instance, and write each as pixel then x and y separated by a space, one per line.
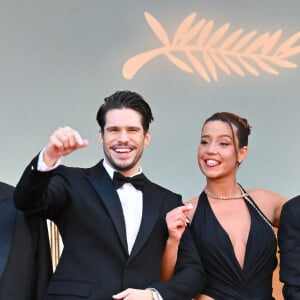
pixel 122 150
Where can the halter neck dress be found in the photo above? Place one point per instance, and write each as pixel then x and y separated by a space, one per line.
pixel 226 280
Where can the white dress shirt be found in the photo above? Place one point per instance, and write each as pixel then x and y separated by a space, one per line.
pixel 132 205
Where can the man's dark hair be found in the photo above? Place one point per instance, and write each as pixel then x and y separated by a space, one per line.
pixel 125 99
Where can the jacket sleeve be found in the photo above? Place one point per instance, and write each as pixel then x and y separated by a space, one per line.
pixel 289 247
pixel 41 193
pixel 189 278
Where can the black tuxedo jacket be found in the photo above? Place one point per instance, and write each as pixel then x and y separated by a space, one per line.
pixel 289 246
pixel 25 261
pixel 95 263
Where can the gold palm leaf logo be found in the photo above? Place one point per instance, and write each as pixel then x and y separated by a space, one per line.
pixel 207 51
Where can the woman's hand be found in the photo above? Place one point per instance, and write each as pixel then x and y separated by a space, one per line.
pixel 177 221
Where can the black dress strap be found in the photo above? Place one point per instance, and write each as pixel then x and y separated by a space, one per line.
pixel 255 206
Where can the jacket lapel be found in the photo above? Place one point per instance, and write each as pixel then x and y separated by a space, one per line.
pixel 152 201
pixel 7 222
pixel 103 185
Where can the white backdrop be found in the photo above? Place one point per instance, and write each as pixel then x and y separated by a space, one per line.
pixel 60 58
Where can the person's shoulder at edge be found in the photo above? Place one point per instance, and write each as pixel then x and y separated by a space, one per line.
pixel 292 202
pixel 6 190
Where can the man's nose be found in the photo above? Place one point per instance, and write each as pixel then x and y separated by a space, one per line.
pixel 123 136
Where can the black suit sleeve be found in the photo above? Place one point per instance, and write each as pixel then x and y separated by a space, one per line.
pixel 41 193
pixel 189 279
pixel 289 246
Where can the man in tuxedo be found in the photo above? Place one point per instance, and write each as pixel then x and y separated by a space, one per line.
pixel 111 217
pixel 25 261
pixel 289 246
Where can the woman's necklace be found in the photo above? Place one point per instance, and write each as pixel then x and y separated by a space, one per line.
pixel 214 196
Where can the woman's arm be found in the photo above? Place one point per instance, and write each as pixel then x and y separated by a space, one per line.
pixel 176 221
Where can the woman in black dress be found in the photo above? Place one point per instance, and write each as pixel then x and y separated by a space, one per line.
pixel 232 227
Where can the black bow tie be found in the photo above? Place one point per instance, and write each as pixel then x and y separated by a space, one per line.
pixel 137 181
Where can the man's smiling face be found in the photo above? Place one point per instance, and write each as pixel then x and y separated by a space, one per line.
pixel 124 140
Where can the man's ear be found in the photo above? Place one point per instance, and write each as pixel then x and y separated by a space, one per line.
pixel 100 137
pixel 147 139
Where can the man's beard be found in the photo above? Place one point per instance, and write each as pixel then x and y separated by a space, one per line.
pixel 119 167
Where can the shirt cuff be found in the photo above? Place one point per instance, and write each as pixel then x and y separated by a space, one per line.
pixel 157 295
pixel 41 166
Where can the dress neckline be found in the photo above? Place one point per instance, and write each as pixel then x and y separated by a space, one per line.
pixel 226 234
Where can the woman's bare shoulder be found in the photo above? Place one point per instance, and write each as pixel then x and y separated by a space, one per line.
pixel 269 202
pixel 264 194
